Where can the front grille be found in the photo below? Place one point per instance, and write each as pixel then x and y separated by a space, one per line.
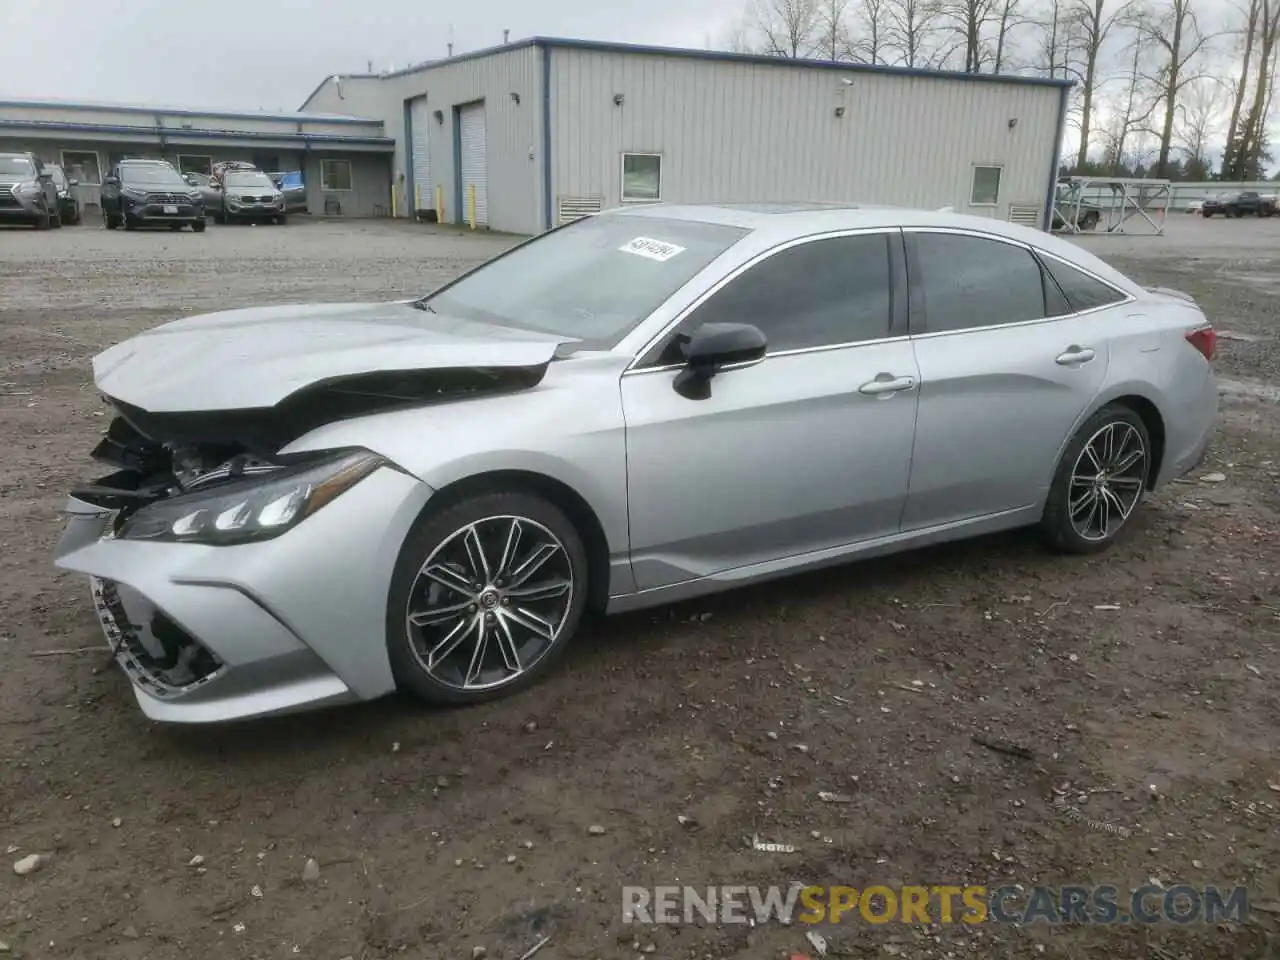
pixel 168 198
pixel 182 663
pixel 7 199
pixel 248 199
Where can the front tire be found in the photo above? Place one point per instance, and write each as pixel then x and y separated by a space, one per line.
pixel 1088 221
pixel 1099 483
pixel 485 597
pixel 199 225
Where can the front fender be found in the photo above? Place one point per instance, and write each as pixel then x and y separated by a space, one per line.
pixel 569 428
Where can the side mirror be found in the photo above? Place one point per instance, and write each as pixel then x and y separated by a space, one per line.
pixel 715 347
pixel 111 181
pixel 73 183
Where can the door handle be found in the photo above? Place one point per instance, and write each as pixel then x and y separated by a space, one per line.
pixel 1074 356
pixel 886 383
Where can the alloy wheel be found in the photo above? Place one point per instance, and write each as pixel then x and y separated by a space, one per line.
pixel 1107 481
pixel 489 603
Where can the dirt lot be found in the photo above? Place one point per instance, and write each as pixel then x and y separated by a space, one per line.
pixel 1143 681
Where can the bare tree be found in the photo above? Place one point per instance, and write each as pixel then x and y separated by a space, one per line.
pixel 1008 17
pixel 1093 24
pixel 968 20
pixel 1057 37
pixel 789 28
pixel 871 45
pixel 911 25
pixel 1199 108
pixel 1130 111
pixel 1240 86
pixel 831 29
pixel 1251 140
pixel 1177 35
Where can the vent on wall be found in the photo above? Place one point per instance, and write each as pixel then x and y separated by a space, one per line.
pixel 575 208
pixel 1027 214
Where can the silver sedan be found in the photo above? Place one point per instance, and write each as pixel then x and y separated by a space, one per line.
pixel 317 504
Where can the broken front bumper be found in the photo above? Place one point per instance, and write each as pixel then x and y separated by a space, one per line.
pixel 209 634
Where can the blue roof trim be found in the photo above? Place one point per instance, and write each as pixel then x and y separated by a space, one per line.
pixel 321 85
pixel 721 56
pixel 176 112
pixel 184 133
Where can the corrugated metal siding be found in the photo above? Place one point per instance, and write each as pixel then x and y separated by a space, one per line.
pixel 732 131
pixel 514 130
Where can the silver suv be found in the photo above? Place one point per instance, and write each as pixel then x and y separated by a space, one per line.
pixel 27 192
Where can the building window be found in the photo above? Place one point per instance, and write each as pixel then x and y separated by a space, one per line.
pixel 82 165
pixel 641 177
pixel 192 164
pixel 335 174
pixel 986 186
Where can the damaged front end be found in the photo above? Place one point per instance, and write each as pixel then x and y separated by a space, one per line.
pixel 217 479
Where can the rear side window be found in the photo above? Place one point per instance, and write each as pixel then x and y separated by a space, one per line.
pixel 971 282
pixel 1082 291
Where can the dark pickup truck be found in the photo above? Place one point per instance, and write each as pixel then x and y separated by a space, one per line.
pixel 1239 204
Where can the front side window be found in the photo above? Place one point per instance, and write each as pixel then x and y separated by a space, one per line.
pixel 1082 291
pixel 985 191
pixel 816 294
pixel 970 282
pixel 335 174
pixel 592 280
pixel 641 177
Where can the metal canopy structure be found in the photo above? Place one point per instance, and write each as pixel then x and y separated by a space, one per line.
pixel 1111 205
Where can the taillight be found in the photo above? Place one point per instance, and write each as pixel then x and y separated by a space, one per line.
pixel 1205 340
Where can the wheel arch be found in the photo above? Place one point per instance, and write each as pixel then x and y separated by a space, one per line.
pixel 570 501
pixel 1146 409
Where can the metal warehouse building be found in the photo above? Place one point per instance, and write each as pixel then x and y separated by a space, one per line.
pixel 537 132
pixel 345 160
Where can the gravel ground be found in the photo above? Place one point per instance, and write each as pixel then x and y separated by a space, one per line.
pixel 1142 683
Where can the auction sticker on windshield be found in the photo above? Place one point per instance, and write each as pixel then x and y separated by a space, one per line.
pixel 653 249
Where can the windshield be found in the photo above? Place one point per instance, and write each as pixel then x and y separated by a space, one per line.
pixel 17 167
pixel 250 179
pixel 151 174
pixel 593 280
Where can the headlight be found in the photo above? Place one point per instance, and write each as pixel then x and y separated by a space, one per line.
pixel 257 509
pixel 194 196
pixel 133 193
pixel 28 189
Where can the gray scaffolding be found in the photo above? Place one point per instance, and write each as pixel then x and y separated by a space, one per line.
pixel 1111 205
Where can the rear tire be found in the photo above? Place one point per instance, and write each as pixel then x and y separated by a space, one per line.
pixel 1100 482
pixel 43 220
pixel 527 620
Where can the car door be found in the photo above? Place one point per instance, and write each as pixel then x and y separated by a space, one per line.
pixel 1007 368
pixel 806 451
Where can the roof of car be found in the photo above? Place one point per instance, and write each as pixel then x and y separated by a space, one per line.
pixel 783 221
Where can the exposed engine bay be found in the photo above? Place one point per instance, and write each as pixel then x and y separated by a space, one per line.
pixel 157 455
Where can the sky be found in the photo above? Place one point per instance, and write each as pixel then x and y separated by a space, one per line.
pixel 269 54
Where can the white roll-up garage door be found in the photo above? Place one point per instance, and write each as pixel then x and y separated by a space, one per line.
pixel 424 197
pixel 475 165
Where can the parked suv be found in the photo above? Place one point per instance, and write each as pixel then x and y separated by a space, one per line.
pixel 150 193
pixel 27 192
pixel 249 195
pixel 68 208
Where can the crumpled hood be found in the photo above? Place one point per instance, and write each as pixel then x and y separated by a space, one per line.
pixel 256 357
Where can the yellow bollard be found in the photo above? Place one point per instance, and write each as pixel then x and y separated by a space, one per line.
pixel 471 205
pixel 439 204
pixel 417 201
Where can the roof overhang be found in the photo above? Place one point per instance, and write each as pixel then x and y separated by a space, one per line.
pixel 297 140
